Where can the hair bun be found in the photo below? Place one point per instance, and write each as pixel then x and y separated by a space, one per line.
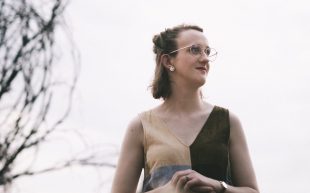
pixel 157 47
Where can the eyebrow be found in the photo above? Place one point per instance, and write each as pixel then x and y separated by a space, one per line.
pixel 201 45
pixel 207 47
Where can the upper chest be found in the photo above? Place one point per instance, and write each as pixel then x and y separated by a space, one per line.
pixel 186 128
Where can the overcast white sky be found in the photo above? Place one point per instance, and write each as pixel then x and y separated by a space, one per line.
pixel 261 74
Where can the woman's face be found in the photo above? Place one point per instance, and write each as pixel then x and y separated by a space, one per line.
pixel 191 65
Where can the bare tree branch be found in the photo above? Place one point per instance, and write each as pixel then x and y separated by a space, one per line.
pixel 29 85
pixel 27 80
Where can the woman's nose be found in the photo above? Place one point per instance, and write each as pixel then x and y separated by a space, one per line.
pixel 204 57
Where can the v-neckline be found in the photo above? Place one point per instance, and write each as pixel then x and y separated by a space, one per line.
pixel 166 127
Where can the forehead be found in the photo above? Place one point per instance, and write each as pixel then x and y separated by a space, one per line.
pixel 188 37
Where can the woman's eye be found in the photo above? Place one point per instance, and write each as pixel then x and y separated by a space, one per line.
pixel 195 50
pixel 207 51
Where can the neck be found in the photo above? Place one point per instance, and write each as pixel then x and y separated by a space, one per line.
pixel 184 101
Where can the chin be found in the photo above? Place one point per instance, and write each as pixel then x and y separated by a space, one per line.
pixel 200 82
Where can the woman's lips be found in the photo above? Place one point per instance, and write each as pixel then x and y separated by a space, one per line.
pixel 204 69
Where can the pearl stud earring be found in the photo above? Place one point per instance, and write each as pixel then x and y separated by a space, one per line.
pixel 171 68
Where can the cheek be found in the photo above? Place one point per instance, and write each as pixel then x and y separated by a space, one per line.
pixel 188 61
pixel 185 63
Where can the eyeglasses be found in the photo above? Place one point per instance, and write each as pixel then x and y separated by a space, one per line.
pixel 196 49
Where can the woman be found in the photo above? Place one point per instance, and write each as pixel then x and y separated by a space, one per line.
pixel 185 144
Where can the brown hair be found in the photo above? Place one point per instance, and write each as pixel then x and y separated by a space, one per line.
pixel 164 43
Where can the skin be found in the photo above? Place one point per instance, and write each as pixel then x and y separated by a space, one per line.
pixel 182 110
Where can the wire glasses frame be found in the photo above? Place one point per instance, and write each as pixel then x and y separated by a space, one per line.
pixel 196 49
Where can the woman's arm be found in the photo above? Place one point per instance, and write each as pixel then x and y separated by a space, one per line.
pixel 243 174
pixel 130 161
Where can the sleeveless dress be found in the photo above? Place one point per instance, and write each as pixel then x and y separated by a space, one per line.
pixel 165 154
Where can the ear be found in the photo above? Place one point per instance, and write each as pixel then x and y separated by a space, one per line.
pixel 166 61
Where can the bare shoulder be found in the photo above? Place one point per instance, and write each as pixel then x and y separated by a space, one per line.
pixel 236 129
pixel 135 127
pixel 135 123
pixel 234 121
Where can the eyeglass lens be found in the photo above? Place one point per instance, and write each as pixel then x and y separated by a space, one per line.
pixel 197 50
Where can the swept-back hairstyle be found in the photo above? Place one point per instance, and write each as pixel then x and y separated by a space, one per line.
pixel 164 43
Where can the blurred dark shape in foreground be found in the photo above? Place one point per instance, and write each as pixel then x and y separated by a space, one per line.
pixel 28 83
